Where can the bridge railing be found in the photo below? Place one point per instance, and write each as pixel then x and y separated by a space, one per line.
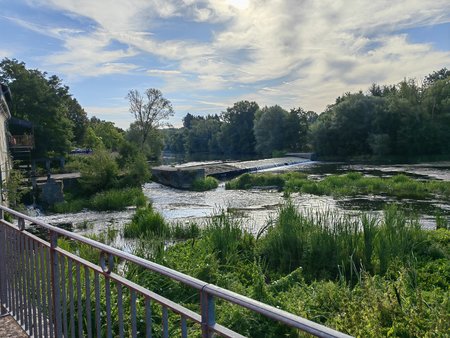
pixel 54 293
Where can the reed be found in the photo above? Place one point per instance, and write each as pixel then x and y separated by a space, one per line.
pixel 146 223
pixel 118 199
pixel 328 245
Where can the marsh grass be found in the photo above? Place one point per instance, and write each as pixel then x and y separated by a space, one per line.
pixel 146 223
pixel 349 184
pixel 114 199
pixel 118 199
pixel 184 232
pixel 327 245
pixel 226 237
pixel 367 275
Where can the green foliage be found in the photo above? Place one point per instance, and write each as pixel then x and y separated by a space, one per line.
pixel 225 236
pixel 116 199
pixel 248 181
pixel 104 133
pixel 236 135
pixel 153 144
pixel 146 223
pixel 270 130
pixel 45 102
pixel 350 184
pixel 14 188
pixel 180 231
pixel 204 184
pixel 99 173
pixel 327 245
pixel 136 172
pixel 410 299
pixel 404 119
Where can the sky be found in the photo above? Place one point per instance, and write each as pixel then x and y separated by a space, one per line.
pixel 205 55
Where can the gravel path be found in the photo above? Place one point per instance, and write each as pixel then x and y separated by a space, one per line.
pixel 10 329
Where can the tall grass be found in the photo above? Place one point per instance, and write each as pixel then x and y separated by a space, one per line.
pixel 146 223
pixel 327 245
pixel 118 199
pixel 225 236
pixel 114 199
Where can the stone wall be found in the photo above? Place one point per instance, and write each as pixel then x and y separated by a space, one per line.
pixel 180 178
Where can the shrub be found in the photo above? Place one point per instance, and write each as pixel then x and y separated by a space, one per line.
pixel 204 184
pixel 99 173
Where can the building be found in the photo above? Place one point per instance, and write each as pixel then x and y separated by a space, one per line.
pixel 5 158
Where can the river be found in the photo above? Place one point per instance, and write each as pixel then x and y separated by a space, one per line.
pixel 256 207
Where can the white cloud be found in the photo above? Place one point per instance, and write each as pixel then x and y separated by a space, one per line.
pixel 293 52
pixel 163 72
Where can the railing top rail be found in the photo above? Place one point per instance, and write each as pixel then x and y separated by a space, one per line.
pixel 251 304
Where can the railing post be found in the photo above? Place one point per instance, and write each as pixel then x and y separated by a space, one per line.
pixel 3 297
pixel 54 270
pixel 208 313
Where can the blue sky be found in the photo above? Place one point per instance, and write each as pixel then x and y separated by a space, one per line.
pixel 204 55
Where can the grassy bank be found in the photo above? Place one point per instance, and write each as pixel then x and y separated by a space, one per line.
pixel 114 199
pixel 368 276
pixel 350 184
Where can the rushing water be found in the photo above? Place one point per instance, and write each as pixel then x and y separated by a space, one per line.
pixel 256 207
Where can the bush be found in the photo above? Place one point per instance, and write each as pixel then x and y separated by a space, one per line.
pixel 99 173
pixel 207 183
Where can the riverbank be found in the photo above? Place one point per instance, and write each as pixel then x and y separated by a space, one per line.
pixel 368 276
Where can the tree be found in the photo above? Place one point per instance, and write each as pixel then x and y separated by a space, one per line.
pixel 269 130
pixel 236 135
pixel 111 136
pixel 42 101
pixel 149 111
pixel 153 144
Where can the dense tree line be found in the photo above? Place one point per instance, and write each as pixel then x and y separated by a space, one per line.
pixel 243 129
pixel 404 119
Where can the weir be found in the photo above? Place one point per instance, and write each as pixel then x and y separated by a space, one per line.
pixel 51 292
pixel 182 176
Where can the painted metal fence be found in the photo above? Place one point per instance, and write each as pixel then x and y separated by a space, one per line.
pixel 54 293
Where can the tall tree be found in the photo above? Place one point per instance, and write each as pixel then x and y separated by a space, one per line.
pixel 269 129
pixel 42 101
pixel 149 110
pixel 236 135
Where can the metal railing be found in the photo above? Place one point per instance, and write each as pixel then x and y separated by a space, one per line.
pixel 54 293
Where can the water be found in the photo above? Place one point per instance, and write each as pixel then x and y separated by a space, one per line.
pixel 256 207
